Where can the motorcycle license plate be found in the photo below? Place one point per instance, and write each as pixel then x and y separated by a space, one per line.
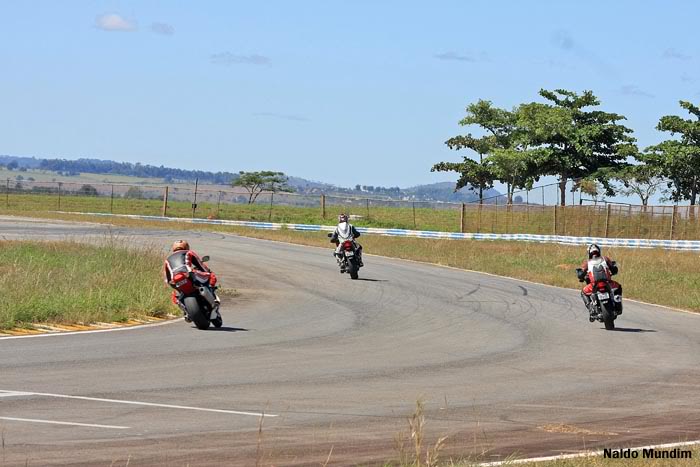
pixel 603 295
pixel 182 282
pixel 349 253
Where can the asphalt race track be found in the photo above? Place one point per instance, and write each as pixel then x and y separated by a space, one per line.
pixel 337 366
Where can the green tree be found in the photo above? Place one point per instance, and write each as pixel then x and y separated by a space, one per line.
pixel 88 190
pixel 134 192
pixel 499 126
pixel 516 168
pixel 508 157
pixel 575 142
pixel 642 180
pixel 590 187
pixel 679 159
pixel 257 182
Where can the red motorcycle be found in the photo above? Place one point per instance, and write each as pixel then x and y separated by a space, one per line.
pixel 196 297
pixel 606 301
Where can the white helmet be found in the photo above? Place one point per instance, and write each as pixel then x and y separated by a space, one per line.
pixel 593 250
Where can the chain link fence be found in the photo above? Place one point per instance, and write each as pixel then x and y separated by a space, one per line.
pixel 532 212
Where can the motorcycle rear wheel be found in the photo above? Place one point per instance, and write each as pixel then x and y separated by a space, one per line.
pixel 195 312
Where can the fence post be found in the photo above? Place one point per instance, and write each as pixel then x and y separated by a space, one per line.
pixel 269 214
pixel 164 212
pixel 59 195
pixel 194 202
pixel 462 218
pixel 323 206
pixel 555 219
pixel 111 200
pixel 543 195
pixel 509 213
pixel 563 220
pixel 7 194
pixel 673 220
pixel 478 218
pixel 218 205
pixel 414 215
pixel 608 207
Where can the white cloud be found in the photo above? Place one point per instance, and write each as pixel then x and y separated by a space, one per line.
pixel 114 22
pixel 163 28
pixel 228 58
pixel 674 54
pixel 633 90
pixel 296 118
pixel 454 56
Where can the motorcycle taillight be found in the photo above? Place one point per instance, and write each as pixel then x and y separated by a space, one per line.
pixel 179 276
pixel 347 244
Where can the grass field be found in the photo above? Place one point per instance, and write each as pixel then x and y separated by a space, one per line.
pixel 663 277
pixel 621 222
pixel 67 282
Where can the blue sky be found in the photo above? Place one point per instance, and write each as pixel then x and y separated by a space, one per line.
pixel 345 92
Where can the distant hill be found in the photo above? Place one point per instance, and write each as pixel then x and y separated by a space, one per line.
pixel 439 192
pixel 445 191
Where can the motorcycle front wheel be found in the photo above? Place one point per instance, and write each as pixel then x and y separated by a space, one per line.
pixel 608 316
pixel 352 269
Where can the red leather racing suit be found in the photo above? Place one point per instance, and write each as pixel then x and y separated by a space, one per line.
pixel 189 260
pixel 588 289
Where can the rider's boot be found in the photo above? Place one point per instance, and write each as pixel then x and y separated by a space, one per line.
pixel 618 305
pixel 587 301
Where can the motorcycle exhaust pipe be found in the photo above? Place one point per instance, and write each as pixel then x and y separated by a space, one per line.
pixel 208 296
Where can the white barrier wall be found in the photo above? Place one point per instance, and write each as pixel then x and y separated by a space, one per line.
pixel 690 245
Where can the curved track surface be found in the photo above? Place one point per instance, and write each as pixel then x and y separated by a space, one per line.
pixel 499 363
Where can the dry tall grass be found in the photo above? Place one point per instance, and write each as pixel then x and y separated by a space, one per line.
pixel 70 282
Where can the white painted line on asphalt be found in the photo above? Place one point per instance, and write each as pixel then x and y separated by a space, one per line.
pixel 145 404
pixel 584 454
pixel 54 422
pixel 12 394
pixel 567 407
pixel 94 331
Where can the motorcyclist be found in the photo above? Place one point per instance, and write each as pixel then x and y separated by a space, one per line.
pixel 596 258
pixel 182 258
pixel 346 231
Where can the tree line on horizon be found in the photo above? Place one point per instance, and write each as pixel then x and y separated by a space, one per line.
pixel 568 137
pixel 74 167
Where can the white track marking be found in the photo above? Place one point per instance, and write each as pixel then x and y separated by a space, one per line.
pixel 54 422
pixel 13 394
pixel 145 404
pixel 566 407
pixel 93 331
pixel 584 454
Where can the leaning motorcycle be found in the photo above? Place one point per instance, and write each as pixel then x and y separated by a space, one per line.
pixel 606 301
pixel 347 257
pixel 196 297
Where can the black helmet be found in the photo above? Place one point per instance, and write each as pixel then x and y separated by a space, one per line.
pixel 593 250
pixel 343 218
